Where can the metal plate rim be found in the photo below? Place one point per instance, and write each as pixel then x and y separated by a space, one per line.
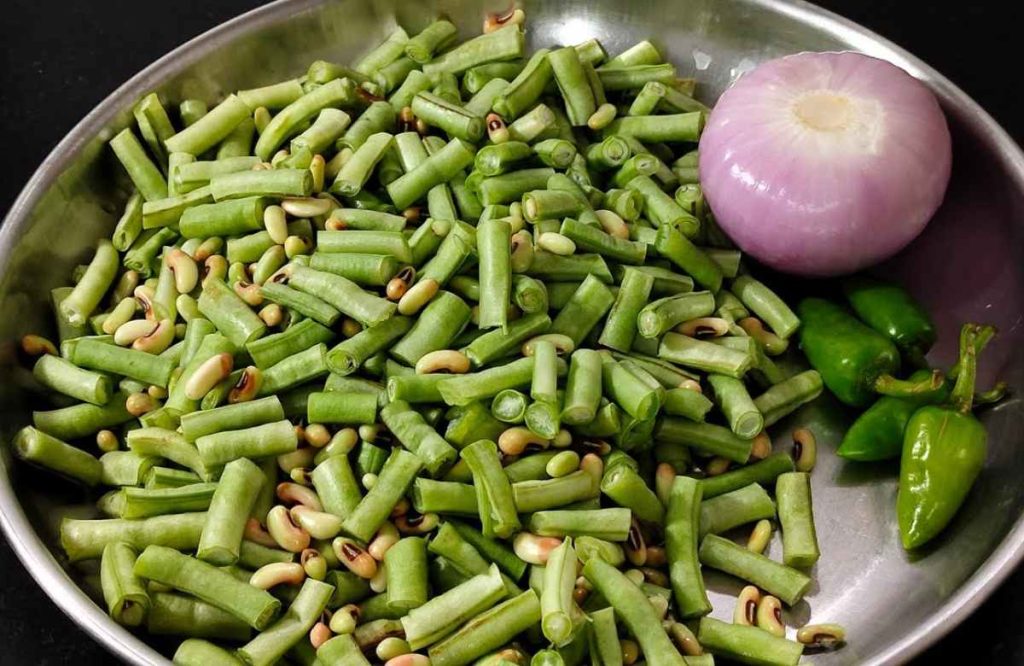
pixel 55 582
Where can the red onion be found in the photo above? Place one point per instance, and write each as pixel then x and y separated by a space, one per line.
pixel 825 163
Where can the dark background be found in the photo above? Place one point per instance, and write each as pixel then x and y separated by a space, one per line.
pixel 59 59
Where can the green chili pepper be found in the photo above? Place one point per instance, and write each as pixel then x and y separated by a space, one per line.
pixel 891 311
pixel 943 451
pixel 877 434
pixel 855 361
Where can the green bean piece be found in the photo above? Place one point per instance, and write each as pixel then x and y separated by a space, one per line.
pixel 583 387
pixel 391 75
pixel 632 607
pixel 345 295
pixel 640 399
pixel 641 53
pixel 511 186
pixel 751 645
pixel 573 84
pixel 239 142
pixel 496 344
pixel 358 169
pixel 394 479
pixel 39 448
pixel 198 652
pixel 673 245
pixel 416 389
pixel 444 497
pixel 129 225
pixel 273 182
pixel 270 439
pixel 762 472
pixel 608 524
pixel 339 92
pixel 493 490
pixel 179 615
pixel 229 313
pixel 438 617
pixel 799 540
pixel 336 485
pixel 779 580
pixel 436 328
pixel 165 477
pixel 147 502
pixel 496 159
pixel 635 77
pixel 368 220
pixel 307 305
pixel 295 370
pixel 526 88
pixel 787 396
pixel 190 175
pixel 148 179
pixel 325 130
pixel 232 503
pixel 621 327
pixel 272 349
pixel 543 494
pixel 275 640
pixel 671 128
pixel 492 549
pixel 435 170
pixel 58 374
pixel 488 631
pixel 347 356
pixel 503 44
pixel 766 304
pixel 453 252
pixel 708 438
pixel 663 314
pixel 687 403
pixel 337 407
pixel 214 586
pixel 701 355
pixel 551 204
pixel 494 250
pixel 603 638
pixel 533 125
pixel 561 618
pixel 416 435
pixel 86 539
pixel 471 422
pixel 386 52
pixel 553 268
pixel 585 309
pixel 732 398
pixel 142 366
pixel 682 523
pixel 406 566
pixel 93 285
pixel 163 443
pixel 359 242
pixel 124 468
pixel 626 488
pixel 451 118
pixel 738 507
pixel 477 78
pixel 509 406
pixel 529 295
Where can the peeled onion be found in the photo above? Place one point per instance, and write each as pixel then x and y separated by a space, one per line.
pixel 824 163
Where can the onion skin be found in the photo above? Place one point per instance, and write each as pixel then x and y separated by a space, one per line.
pixel 811 201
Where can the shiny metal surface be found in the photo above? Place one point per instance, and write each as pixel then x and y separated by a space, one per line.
pixel 967 265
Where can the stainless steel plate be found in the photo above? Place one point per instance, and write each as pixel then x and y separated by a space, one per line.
pixel 967 265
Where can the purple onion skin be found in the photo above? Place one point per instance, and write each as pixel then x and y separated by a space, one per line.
pixel 835 194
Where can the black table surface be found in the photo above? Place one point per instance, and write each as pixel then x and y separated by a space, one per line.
pixel 62 58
